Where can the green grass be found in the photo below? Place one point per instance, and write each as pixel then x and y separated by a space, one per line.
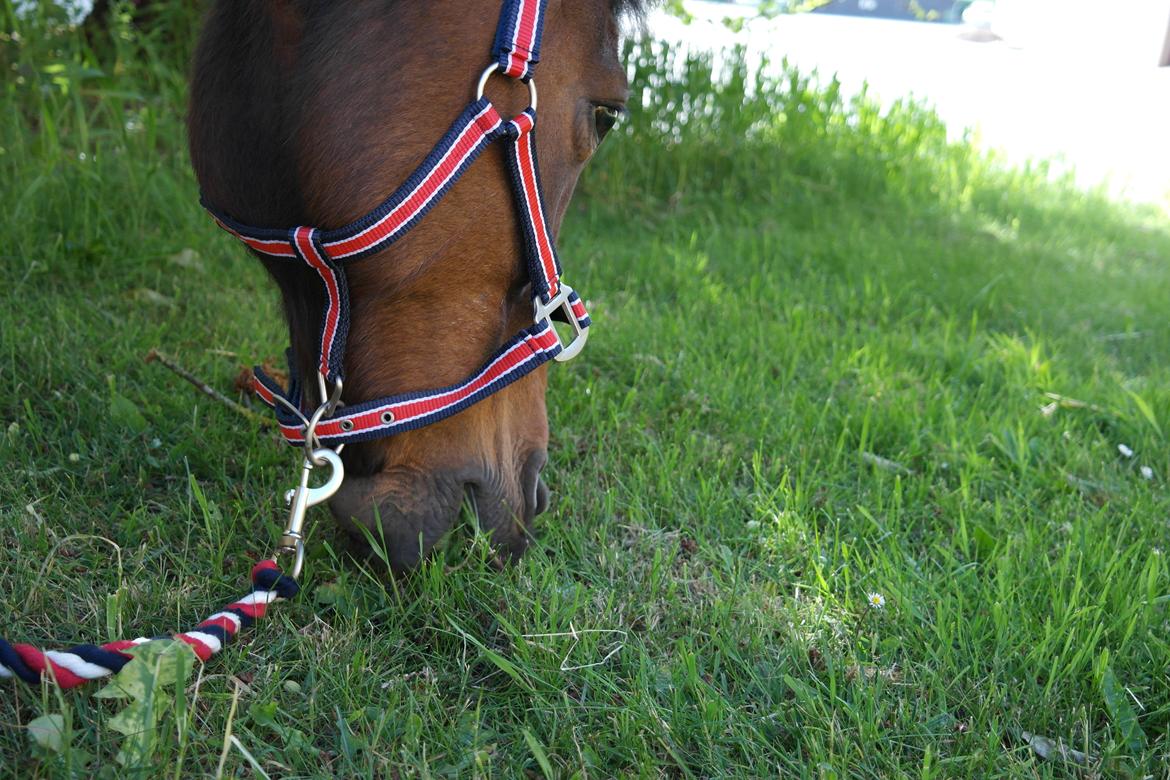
pixel 824 344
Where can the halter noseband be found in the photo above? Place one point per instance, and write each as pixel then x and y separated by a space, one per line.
pixel 515 53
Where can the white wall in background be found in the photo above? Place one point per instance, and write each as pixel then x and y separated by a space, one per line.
pixel 1111 32
pixel 1094 106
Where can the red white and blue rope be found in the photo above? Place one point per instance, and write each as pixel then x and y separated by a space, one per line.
pixel 82 663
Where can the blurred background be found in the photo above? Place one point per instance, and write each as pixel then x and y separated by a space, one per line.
pixel 1083 83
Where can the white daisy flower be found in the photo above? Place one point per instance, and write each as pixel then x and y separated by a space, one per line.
pixel 876 600
pixel 1125 451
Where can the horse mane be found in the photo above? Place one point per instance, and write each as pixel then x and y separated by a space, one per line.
pixel 636 8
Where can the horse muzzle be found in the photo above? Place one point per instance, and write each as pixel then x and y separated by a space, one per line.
pixel 407 511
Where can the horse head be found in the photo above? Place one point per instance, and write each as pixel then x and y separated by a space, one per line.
pixel 309 112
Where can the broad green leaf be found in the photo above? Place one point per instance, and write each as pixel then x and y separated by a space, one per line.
pixel 1121 712
pixel 140 716
pixel 1146 410
pixel 331 594
pixel 295 741
pixel 123 686
pixel 136 750
pixel 156 665
pixel 48 731
pixel 124 413
pixel 263 714
pixel 291 740
pixel 985 543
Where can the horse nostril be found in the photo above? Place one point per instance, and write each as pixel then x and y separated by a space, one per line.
pixel 535 491
pixel 541 496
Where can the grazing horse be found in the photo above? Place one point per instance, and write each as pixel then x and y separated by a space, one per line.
pixel 309 112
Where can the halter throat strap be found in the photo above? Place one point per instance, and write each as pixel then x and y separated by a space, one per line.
pixel 515 52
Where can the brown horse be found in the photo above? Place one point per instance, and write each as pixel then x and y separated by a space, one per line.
pixel 310 112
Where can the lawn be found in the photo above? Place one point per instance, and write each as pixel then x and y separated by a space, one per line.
pixel 836 360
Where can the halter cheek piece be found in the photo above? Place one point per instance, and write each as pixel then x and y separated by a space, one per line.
pixel 516 51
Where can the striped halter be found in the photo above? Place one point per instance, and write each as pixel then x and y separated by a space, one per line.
pixel 515 53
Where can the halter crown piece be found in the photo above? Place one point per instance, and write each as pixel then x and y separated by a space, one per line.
pixel 515 53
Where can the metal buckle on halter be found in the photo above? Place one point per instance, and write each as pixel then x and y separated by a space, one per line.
pixel 561 301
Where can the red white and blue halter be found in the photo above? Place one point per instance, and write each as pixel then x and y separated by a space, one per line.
pixel 515 53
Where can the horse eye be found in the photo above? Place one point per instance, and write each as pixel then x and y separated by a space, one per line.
pixel 604 118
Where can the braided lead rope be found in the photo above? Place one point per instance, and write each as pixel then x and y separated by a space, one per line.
pixel 82 663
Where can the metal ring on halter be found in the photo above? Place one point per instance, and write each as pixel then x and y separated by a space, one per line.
pixel 332 400
pixel 305 421
pixel 312 443
pixel 291 407
pixel 329 404
pixel 483 80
